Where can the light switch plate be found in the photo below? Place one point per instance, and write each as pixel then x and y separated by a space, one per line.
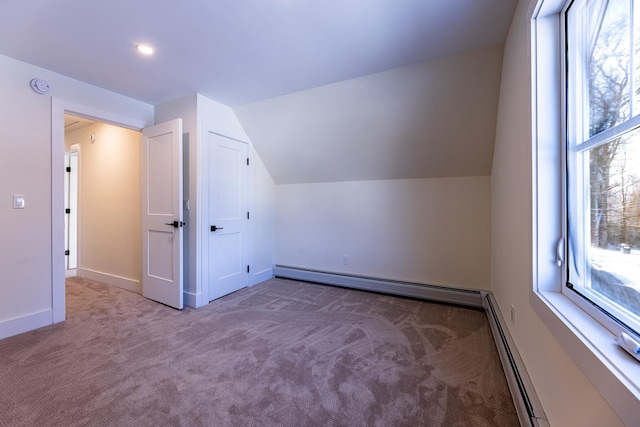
pixel 18 201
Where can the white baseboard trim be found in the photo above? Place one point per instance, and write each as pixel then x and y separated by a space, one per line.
pixel 26 323
pixel 527 404
pixel 261 276
pixel 111 279
pixel 467 297
pixel 194 300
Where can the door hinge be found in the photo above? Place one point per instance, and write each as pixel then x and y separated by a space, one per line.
pixel 68 168
pixel 247 161
pixel 67 211
pixel 248 269
pixel 66 252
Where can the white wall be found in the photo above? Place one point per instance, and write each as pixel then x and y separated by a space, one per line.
pixel 262 206
pixel 109 204
pixel 433 231
pixel 567 396
pixel 25 168
pixel 262 189
pixel 427 120
pixel 197 112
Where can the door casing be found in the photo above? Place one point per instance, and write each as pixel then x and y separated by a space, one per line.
pixel 71 202
pixel 229 244
pixel 59 108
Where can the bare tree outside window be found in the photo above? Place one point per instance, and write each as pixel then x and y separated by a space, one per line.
pixel 608 38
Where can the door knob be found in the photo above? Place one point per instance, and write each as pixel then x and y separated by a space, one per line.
pixel 175 224
pixel 214 228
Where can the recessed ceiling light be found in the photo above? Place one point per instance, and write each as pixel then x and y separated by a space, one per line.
pixel 145 49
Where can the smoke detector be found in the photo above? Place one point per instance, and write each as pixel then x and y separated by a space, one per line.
pixel 40 86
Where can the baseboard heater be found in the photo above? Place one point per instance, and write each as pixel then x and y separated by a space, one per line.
pixel 524 396
pixel 467 297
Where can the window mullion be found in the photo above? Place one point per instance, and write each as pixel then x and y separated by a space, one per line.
pixel 609 134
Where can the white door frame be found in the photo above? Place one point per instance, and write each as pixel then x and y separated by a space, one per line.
pixel 73 205
pixel 59 108
pixel 206 228
pixel 205 127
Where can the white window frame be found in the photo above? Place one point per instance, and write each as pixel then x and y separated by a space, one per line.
pixel 577 134
pixel 614 373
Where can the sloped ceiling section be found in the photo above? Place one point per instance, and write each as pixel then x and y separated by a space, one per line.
pixel 432 119
pixel 236 52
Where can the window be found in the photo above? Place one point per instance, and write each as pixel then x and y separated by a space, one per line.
pixel 560 112
pixel 603 160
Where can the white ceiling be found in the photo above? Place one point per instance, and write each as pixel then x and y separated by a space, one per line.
pixel 241 51
pixel 327 90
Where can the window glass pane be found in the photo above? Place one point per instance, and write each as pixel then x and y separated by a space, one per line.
pixel 636 58
pixel 603 172
pixel 614 252
pixel 607 39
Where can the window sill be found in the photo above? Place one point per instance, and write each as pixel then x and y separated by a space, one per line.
pixel 613 372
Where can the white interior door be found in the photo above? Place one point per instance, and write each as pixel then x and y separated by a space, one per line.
pixel 161 174
pixel 228 215
pixel 71 209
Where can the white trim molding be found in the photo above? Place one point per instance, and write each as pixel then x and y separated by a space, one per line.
pixel 125 283
pixel 614 373
pixel 26 323
pixel 59 108
pixel 260 276
pixel 195 300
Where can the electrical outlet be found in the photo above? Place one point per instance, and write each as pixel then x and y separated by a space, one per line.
pixel 513 314
pixel 345 260
pixel 18 201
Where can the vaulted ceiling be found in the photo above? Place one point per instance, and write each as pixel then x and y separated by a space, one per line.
pixel 427 120
pixel 310 80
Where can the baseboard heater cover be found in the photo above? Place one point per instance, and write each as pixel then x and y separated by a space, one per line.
pixel 530 412
pixel 466 297
pixel 524 395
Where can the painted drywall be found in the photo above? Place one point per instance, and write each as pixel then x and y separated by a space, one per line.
pixel 568 398
pixel 197 111
pixel 262 191
pixel 433 231
pixel 25 169
pixel 186 109
pixel 109 204
pixel 262 205
pixel 433 119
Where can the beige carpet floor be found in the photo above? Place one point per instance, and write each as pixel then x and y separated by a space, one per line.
pixel 281 353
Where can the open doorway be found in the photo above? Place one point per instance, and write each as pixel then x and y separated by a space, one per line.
pixel 106 224
pixel 163 148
